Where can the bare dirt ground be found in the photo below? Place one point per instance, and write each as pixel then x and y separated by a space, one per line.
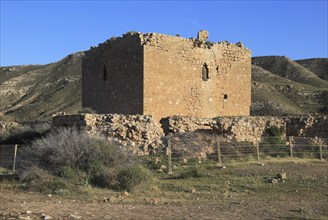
pixel 242 192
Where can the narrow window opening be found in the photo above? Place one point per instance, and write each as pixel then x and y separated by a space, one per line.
pixel 105 73
pixel 217 69
pixel 225 99
pixel 205 72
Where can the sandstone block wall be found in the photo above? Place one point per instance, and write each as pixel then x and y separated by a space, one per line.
pixel 195 78
pixel 162 75
pixel 112 77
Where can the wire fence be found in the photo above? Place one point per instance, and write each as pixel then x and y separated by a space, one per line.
pixel 8 155
pixel 223 151
pixel 183 147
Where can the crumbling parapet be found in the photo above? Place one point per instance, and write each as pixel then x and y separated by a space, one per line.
pixel 202 35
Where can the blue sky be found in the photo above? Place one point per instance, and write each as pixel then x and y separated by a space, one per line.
pixel 41 32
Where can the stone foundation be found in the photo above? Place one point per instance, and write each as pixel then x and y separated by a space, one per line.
pixel 237 129
pixel 141 134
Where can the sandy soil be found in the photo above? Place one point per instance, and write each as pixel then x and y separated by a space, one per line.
pixel 286 204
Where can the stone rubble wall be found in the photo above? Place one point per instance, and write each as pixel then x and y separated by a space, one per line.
pixel 249 127
pixel 237 129
pixel 307 126
pixel 139 134
pixel 193 137
pixel 142 134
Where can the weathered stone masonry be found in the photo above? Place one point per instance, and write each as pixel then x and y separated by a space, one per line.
pixel 161 75
pixel 142 134
pixel 138 134
pixel 112 77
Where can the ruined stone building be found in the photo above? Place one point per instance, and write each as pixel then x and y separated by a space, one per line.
pixel 162 75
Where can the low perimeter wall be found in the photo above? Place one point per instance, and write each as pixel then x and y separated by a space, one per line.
pixel 141 134
pixel 237 129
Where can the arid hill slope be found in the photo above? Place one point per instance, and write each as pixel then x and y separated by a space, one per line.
pixel 318 66
pixel 280 86
pixel 37 91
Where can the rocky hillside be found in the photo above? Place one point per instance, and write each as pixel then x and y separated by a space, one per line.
pixel 280 86
pixel 318 66
pixel 37 91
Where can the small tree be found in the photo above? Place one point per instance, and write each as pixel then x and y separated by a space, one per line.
pixel 273 142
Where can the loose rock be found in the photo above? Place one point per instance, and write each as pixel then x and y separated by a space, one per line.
pixel 282 176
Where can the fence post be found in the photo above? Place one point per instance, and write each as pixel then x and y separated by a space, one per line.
pixel 291 146
pixel 15 155
pixel 169 156
pixel 219 151
pixel 320 147
pixel 257 150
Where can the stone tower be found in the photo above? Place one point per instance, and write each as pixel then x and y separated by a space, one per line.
pixel 164 75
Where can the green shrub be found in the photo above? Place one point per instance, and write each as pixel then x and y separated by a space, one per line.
pixel 105 178
pixel 94 166
pixel 131 177
pixel 110 154
pixel 274 131
pixel 273 142
pixel 72 175
pixel 40 180
pixel 153 162
pixel 191 172
pixel 67 172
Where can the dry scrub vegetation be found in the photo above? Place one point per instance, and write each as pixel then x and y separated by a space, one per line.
pixel 67 157
pixel 68 174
